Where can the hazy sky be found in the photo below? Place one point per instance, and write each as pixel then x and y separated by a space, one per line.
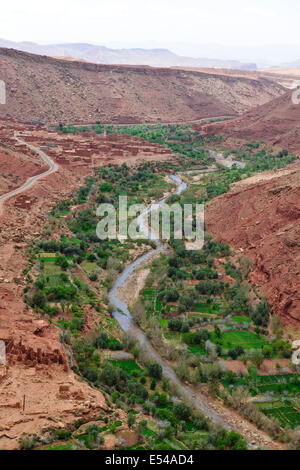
pixel 230 22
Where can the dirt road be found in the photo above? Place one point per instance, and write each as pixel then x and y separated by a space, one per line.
pixel 52 168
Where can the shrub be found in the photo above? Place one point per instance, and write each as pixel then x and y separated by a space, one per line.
pixel 175 324
pixel 233 440
pixel 201 336
pixel 130 420
pixel 38 299
pixel 153 384
pixel 257 359
pixel 168 295
pixel 261 314
pixel 109 375
pixel 101 341
pixel 62 434
pixel 182 411
pixel 267 351
pixel 236 352
pixel 155 370
pixel 90 373
pixel 27 442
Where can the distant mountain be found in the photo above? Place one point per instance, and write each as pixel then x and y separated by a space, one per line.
pixel 136 56
pixel 296 63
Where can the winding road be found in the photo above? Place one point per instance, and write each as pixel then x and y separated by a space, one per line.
pixel 52 168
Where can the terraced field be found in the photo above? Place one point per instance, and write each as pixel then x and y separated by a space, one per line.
pixel 286 414
pixel 246 339
pixel 283 388
pixel 129 366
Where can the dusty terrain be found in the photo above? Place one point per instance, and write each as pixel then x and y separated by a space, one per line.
pixel 276 122
pixel 38 388
pixel 260 217
pixel 53 90
pixel 284 76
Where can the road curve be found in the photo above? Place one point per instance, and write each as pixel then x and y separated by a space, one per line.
pixel 52 168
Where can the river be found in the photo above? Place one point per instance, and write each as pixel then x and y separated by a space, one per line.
pixel 126 322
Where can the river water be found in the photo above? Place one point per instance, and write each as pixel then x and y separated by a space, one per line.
pixel 125 320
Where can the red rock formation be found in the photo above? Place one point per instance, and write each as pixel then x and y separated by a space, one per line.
pixel 261 215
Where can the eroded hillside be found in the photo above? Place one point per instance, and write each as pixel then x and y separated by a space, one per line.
pixel 276 122
pixel 52 90
pixel 261 216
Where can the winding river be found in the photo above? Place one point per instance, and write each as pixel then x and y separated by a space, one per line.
pixel 126 322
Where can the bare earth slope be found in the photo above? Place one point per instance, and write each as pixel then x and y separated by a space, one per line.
pixel 261 215
pixel 276 122
pixel 54 90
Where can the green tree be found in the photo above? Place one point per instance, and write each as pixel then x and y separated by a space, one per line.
pixel 257 359
pixel 142 426
pixel 131 420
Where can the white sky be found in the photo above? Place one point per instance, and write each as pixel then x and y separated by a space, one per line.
pixel 221 27
pixel 227 22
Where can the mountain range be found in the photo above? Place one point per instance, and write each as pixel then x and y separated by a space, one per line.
pixel 134 56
